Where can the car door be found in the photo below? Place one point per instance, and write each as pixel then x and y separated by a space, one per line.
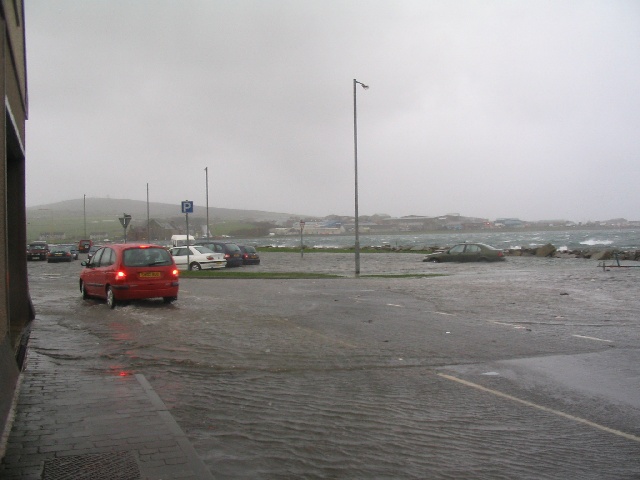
pixel 92 274
pixel 455 254
pixel 472 253
pixel 180 257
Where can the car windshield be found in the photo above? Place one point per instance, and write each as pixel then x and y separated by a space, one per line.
pixel 37 247
pixel 146 257
pixel 249 249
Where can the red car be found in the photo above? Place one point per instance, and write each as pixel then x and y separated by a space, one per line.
pixel 128 272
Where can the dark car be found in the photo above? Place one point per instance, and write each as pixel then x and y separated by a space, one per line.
pixel 467 252
pixel 249 255
pixel 231 251
pixel 59 253
pixel 127 272
pixel 73 249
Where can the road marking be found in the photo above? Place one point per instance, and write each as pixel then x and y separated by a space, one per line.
pixel 593 338
pixel 444 313
pixel 393 305
pixel 584 421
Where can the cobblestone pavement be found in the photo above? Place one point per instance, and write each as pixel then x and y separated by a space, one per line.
pixel 72 424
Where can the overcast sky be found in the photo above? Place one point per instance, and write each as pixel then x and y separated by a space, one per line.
pixel 485 108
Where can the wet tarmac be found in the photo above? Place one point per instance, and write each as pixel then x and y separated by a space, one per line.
pixel 528 368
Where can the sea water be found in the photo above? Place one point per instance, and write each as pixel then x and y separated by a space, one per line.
pixel 618 239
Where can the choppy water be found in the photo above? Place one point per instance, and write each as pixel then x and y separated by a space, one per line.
pixel 622 239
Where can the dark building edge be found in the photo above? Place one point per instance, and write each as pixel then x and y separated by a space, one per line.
pixel 16 310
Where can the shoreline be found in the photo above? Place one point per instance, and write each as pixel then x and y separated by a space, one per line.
pixel 548 251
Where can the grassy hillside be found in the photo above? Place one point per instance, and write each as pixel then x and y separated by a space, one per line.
pixel 102 215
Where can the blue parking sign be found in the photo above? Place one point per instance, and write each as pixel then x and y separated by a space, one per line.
pixel 187 206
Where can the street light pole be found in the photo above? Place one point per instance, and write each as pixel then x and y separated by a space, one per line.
pixel 206 175
pixel 84 214
pixel 355 152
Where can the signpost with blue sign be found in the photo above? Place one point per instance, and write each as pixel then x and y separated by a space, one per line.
pixel 187 208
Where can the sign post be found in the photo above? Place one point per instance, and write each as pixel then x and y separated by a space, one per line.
pixel 301 242
pixel 187 208
pixel 125 220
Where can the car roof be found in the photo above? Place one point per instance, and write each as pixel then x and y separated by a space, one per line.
pixel 477 243
pixel 127 246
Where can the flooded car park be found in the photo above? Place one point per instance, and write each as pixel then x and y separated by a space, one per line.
pixel 521 369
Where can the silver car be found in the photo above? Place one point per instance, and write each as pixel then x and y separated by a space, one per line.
pixel 197 258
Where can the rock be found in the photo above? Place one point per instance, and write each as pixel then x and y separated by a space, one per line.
pixel 545 251
pixel 601 255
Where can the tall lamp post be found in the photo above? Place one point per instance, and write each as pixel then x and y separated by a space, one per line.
pixel 206 176
pixel 84 214
pixel 355 152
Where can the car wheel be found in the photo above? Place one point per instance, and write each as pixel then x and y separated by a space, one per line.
pixel 195 266
pixel 169 299
pixel 83 291
pixel 111 300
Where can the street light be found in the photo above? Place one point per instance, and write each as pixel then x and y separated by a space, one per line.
pixel 355 151
pixel 206 176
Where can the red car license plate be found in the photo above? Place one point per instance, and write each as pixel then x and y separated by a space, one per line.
pixel 149 274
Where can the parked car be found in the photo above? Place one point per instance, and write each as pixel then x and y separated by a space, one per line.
pixel 249 255
pixel 127 272
pixel 37 250
pixel 231 251
pixel 92 250
pixel 84 245
pixel 467 252
pixel 199 257
pixel 73 249
pixel 59 253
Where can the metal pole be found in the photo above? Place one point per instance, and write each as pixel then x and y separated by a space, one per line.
pixel 84 214
pixel 188 249
pixel 206 174
pixel 301 241
pixel 355 154
pixel 148 227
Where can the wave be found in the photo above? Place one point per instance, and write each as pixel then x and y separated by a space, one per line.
pixel 592 242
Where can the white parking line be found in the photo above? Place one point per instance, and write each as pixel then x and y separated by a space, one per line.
pixel 393 305
pixel 519 327
pixel 444 313
pixel 628 436
pixel 593 338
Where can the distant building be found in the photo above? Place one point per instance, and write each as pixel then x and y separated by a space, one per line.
pixel 509 222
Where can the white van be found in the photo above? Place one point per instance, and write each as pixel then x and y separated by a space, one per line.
pixel 181 240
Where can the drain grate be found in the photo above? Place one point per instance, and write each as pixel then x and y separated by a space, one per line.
pixel 93 466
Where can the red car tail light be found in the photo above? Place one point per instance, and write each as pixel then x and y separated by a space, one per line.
pixel 120 275
pixel 500 254
pixel 209 257
pixel 175 272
